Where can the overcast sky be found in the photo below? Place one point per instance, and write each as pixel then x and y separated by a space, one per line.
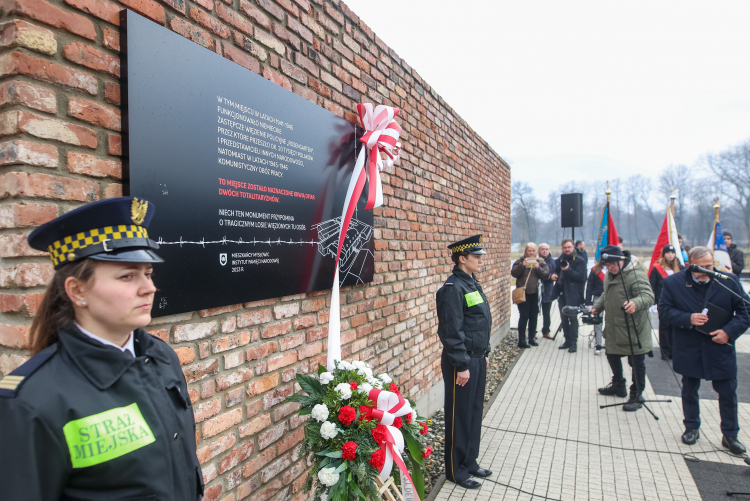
pixel 580 90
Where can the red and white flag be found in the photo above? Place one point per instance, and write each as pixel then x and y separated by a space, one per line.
pixel 667 236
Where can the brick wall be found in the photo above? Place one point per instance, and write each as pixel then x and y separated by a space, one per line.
pixel 60 146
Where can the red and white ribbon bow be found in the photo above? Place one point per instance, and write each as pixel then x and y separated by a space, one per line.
pixel 381 134
pixel 389 406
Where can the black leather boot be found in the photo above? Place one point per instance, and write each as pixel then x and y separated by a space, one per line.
pixel 634 403
pixel 615 388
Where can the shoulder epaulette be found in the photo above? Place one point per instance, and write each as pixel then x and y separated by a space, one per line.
pixel 10 384
pixel 450 280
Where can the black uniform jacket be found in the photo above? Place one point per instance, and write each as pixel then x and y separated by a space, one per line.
pixel 571 282
pixel 464 319
pixel 93 423
pixel 694 353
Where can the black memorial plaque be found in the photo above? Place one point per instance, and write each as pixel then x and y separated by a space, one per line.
pixel 248 179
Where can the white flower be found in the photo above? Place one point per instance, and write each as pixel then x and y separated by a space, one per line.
pixel 328 477
pixel 365 372
pixel 328 431
pixel 358 364
pixel 413 417
pixel 320 413
pixel 385 377
pixel 345 366
pixel 326 377
pixel 365 388
pixel 375 382
pixel 345 390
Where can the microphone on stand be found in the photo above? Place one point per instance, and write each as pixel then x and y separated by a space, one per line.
pixel 694 268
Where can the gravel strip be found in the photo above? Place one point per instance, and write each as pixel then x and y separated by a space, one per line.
pixel 501 359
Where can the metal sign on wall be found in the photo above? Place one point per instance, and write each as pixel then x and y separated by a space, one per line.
pixel 248 179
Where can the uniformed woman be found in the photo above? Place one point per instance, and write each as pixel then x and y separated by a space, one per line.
pixel 101 411
pixel 464 326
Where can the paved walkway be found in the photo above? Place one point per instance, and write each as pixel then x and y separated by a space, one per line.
pixel 546 435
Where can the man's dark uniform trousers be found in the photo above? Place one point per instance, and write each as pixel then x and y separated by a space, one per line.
pixel 464 331
pixel 147 453
pixel 694 354
pixel 569 291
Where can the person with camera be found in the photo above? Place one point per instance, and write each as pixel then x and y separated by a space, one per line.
pixel 548 286
pixel 703 348
pixel 625 302
pixel 667 265
pixel 569 288
pixel 528 271
pixel 594 289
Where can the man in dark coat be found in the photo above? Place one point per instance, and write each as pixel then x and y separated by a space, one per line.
pixel 569 289
pixel 548 287
pixel 581 250
pixel 464 327
pixel 710 356
pixel 735 255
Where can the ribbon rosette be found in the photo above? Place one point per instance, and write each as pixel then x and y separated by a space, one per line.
pixel 389 406
pixel 381 135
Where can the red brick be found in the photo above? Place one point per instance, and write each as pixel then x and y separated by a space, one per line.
pixel 42 185
pixel 276 468
pixel 327 23
pixel 206 4
pixel 253 317
pixel 230 342
pixel 253 408
pixel 258 462
pixel 26 152
pixel 221 423
pixel 261 351
pixel 52 15
pixel 235 457
pixel 309 351
pixel 234 19
pixel 201 370
pixel 89 165
pixel 272 8
pixel 277 78
pixel 111 39
pixel 9 363
pixel 114 145
pixel 92 58
pixel 281 360
pixel 162 334
pixel 263 385
pixel 14 336
pixel 269 41
pixel 99 8
pixel 112 93
pixel 186 354
pixel 294 72
pixel 255 426
pixel 215 448
pixel 255 14
pixel 287 36
pixel 212 493
pixel 239 57
pixel 192 32
pixel 178 5
pixel 307 64
pixel 305 92
pixel 95 113
pixel 250 46
pixel 209 23
pixel 27 94
pixel 276 397
pixel 191 332
pixel 19 63
pixel 292 341
pixel 18 33
pixel 13 122
pixel 228 380
pixel 207 410
pixel 244 490
pixel 277 329
pixel 17 246
pixel 331 11
pixel 112 190
pixel 290 440
pixel 304 322
pixel 268 437
pixel 27 304
pixel 148 8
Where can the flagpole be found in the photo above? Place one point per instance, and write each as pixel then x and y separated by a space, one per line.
pixel 716 220
pixel 671 199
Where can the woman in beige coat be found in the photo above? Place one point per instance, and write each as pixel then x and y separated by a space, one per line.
pixel 528 272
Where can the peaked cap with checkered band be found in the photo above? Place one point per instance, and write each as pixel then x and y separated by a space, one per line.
pixel 115 229
pixel 472 245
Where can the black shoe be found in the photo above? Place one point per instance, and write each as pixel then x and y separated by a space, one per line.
pixel 533 343
pixel 734 445
pixel 613 388
pixel 691 436
pixel 573 349
pixel 481 472
pixel 634 404
pixel 564 346
pixel 523 345
pixel 469 483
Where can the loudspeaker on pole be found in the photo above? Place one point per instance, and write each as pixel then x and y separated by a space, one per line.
pixel 571 210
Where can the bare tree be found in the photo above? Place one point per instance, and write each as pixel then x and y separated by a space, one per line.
pixel 676 177
pixel 732 168
pixel 524 206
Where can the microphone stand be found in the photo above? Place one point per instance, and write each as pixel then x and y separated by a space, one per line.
pixel 638 389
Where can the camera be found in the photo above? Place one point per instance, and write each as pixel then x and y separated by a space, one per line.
pixel 564 263
pixel 586 317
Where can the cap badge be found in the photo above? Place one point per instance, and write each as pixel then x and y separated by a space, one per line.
pixel 138 210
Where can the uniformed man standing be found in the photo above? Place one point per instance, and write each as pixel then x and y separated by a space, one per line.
pixel 464 326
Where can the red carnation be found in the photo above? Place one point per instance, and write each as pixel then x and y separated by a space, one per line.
pixel 377 460
pixel 424 426
pixel 365 413
pixel 398 423
pixel 379 434
pixel 347 414
pixel 427 452
pixel 408 418
pixel 353 385
pixel 350 451
pixel 393 388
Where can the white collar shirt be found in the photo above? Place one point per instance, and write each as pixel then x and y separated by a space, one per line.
pixel 129 345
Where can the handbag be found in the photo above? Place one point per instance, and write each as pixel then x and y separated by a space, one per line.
pixel 519 294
